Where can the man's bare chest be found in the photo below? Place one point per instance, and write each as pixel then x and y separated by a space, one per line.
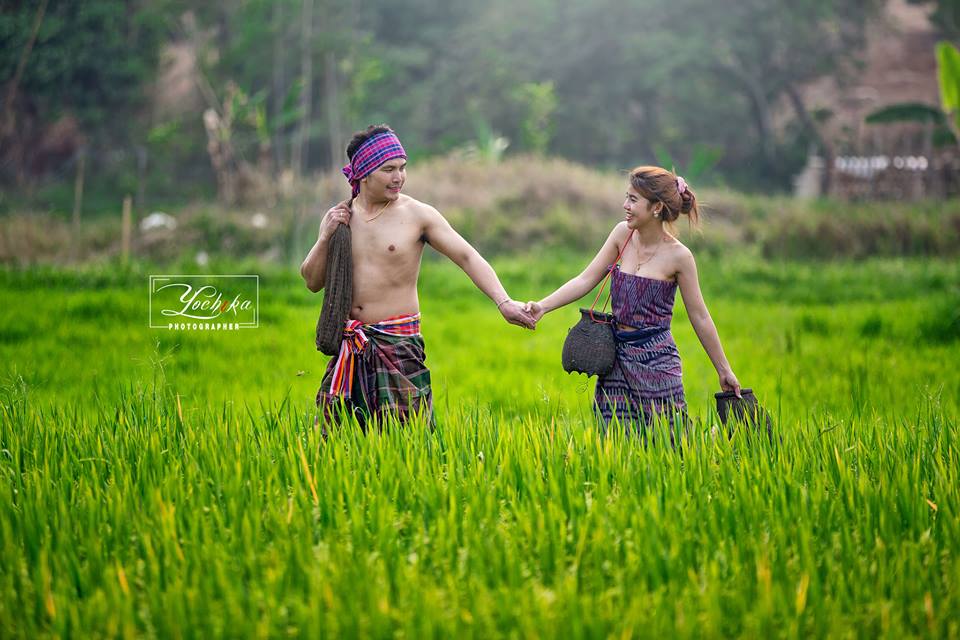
pixel 387 243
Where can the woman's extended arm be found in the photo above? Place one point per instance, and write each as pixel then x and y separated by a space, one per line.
pixel 702 322
pixel 579 286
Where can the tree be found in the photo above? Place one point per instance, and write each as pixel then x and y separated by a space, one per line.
pixel 769 49
pixel 55 73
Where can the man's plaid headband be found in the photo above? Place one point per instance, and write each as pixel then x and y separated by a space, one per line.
pixel 371 154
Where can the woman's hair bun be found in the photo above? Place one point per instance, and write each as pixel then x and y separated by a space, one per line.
pixel 688 201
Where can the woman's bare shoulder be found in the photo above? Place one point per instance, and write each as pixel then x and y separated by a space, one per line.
pixel 679 254
pixel 620 232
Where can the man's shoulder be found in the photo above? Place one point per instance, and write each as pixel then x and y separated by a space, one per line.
pixel 416 207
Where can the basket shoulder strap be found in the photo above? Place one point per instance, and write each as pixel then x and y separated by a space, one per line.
pixel 607 277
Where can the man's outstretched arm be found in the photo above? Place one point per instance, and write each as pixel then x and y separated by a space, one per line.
pixel 444 238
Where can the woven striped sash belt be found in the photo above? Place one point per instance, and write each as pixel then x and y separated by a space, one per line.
pixel 355 340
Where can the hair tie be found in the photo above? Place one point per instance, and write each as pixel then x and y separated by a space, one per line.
pixel 681 186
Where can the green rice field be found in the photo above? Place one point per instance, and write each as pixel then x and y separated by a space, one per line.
pixel 172 484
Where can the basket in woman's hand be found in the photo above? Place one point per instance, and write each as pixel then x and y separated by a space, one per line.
pixel 745 410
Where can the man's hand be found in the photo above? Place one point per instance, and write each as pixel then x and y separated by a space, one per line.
pixel 337 215
pixel 534 310
pixel 514 314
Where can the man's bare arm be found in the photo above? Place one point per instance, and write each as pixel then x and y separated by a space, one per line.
pixel 444 238
pixel 314 266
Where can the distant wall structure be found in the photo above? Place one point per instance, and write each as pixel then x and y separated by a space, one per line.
pixel 883 177
pixel 905 177
pixel 895 160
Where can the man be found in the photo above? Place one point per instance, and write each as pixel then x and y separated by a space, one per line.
pixel 380 369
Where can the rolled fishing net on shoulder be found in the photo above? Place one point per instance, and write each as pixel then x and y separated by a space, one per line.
pixel 337 292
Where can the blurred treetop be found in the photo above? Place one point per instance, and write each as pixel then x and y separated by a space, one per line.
pixel 605 82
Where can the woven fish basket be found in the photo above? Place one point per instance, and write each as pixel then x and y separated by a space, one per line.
pixel 590 346
pixel 744 410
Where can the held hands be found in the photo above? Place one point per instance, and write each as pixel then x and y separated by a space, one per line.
pixel 534 310
pixel 515 313
pixel 337 215
pixel 523 315
pixel 729 382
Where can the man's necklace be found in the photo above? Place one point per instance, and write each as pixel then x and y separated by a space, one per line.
pixel 650 257
pixel 382 209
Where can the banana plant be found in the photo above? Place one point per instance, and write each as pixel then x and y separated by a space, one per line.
pixel 945 116
pixel 702 161
pixel 948 74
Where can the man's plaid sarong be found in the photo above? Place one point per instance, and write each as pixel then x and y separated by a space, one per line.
pixel 379 371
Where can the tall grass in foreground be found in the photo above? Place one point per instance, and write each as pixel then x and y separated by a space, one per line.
pixel 133 518
pixel 173 484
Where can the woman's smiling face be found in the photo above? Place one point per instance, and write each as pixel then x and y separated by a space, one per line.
pixel 639 210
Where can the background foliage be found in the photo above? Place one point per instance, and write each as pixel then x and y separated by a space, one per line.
pixel 603 82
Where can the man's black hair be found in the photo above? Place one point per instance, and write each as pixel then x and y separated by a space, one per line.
pixel 362 136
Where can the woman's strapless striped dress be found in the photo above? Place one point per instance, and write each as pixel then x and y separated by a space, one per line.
pixel 646 379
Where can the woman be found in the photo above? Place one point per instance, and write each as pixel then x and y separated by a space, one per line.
pixel 646 380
